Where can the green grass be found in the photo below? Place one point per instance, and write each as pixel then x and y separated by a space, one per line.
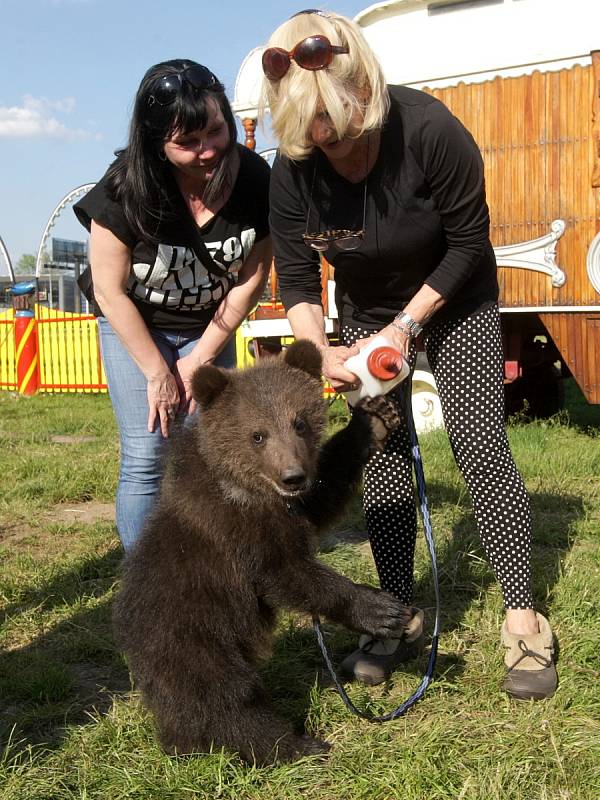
pixel 72 729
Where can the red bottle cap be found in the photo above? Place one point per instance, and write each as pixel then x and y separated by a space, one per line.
pixel 381 363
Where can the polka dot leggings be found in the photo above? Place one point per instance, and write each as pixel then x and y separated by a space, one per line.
pixel 466 358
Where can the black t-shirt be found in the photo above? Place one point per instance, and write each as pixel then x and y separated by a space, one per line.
pixel 427 220
pixel 168 283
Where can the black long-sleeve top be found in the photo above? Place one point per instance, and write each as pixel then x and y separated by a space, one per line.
pixel 427 219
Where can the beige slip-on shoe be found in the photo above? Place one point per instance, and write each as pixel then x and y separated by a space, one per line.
pixel 531 674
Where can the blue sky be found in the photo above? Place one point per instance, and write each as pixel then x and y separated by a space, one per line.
pixel 70 69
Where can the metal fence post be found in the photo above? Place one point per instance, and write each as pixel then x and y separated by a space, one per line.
pixel 26 344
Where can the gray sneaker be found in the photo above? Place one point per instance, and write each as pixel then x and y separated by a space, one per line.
pixel 376 659
pixel 530 674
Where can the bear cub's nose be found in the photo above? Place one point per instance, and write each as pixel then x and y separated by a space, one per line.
pixel 294 477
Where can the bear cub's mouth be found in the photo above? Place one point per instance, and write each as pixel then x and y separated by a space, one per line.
pixel 285 490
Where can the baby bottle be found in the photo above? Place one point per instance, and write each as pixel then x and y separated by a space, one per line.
pixel 376 366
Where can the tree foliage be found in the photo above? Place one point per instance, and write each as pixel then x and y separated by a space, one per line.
pixel 26 264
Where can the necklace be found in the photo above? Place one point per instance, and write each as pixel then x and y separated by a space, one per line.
pixel 356 167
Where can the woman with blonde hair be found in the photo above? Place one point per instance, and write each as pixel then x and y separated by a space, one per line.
pixel 389 186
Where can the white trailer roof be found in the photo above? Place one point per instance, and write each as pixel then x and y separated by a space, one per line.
pixel 438 42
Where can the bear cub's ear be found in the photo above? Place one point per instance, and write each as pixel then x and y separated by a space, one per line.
pixel 207 384
pixel 304 355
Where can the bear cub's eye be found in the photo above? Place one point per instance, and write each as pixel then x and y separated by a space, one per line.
pixel 258 437
pixel 300 426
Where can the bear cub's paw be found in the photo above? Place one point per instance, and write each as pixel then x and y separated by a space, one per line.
pixel 383 415
pixel 291 748
pixel 381 614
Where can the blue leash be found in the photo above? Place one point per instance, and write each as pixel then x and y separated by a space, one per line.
pixel 424 506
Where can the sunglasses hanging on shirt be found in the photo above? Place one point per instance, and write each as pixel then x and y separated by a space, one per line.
pixel 343 239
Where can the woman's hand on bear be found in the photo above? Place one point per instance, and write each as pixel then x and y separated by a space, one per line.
pixel 183 371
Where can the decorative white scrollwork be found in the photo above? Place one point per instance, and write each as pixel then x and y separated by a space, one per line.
pixel 247 89
pixel 538 255
pixel 67 199
pixel 593 262
pixel 8 270
pixel 269 155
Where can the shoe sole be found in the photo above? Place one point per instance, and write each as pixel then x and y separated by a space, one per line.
pixel 369 680
pixel 531 685
pixel 528 695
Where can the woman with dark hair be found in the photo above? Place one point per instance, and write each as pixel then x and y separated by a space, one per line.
pixel 179 255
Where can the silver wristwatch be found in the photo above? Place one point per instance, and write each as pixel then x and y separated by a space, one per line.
pixel 407 324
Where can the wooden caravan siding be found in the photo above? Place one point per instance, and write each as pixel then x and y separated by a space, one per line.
pixel 539 135
pixel 535 134
pixel 596 118
pixel 577 336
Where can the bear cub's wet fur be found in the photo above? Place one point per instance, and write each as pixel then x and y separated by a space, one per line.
pixel 232 540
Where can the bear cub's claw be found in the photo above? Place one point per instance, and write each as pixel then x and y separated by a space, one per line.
pixel 382 615
pixel 383 415
pixel 291 748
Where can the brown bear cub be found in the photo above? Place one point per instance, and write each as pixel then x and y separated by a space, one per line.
pixel 232 540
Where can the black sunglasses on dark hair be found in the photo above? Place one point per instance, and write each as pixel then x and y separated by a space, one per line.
pixel 168 87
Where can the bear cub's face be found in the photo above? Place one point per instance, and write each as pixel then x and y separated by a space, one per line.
pixel 259 429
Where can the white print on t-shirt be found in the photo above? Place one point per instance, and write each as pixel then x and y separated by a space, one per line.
pixel 178 280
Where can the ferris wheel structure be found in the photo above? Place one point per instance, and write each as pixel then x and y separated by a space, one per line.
pixel 64 203
pixel 6 267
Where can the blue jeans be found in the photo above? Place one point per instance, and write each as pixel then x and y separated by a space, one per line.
pixel 140 470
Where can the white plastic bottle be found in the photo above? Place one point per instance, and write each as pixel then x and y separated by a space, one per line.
pixel 376 366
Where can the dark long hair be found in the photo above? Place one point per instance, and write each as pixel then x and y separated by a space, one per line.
pixel 140 179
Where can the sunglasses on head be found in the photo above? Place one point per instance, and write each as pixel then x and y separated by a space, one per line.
pixel 313 53
pixel 168 87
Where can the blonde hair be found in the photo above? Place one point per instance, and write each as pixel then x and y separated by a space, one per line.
pixel 352 83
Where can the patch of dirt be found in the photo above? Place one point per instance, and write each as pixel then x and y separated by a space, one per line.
pixel 331 540
pixel 35 537
pixel 94 689
pixel 15 533
pixel 95 684
pixel 346 536
pixel 87 513
pixel 60 439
